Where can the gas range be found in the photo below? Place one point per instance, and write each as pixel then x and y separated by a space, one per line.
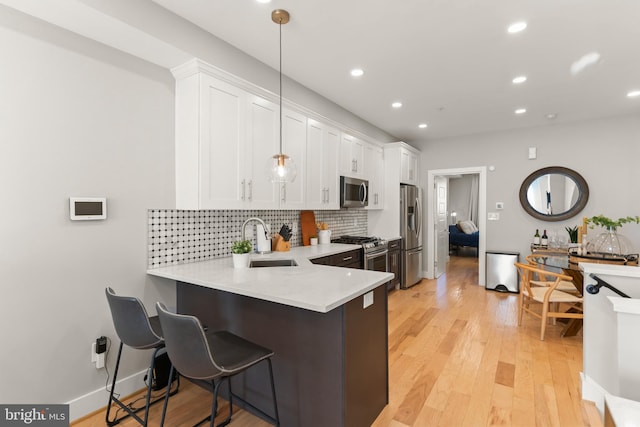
pixel 369 244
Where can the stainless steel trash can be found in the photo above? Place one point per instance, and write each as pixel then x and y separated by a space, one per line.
pixel 502 275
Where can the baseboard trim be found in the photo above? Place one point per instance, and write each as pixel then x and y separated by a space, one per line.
pixel 592 391
pixel 96 400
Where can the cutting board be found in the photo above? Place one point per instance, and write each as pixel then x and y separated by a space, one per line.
pixel 308 226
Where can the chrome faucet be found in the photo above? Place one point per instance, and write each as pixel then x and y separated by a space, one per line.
pixel 264 227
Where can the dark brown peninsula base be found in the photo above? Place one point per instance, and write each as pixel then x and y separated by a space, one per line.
pixel 331 369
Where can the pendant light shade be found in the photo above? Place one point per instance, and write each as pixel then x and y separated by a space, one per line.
pixel 280 167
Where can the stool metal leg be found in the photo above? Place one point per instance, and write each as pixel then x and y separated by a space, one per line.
pixel 273 393
pixel 130 412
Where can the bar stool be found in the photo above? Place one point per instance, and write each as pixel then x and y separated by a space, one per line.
pixel 211 356
pixel 136 330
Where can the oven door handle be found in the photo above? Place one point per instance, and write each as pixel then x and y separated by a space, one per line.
pixel 376 254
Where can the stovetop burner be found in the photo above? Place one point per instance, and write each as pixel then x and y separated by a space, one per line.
pixel 368 243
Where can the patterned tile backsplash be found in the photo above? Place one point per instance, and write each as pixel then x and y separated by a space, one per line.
pixel 179 236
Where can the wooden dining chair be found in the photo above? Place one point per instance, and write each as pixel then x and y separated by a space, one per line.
pixel 543 279
pixel 546 302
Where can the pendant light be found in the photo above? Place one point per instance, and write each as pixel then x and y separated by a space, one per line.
pixel 280 167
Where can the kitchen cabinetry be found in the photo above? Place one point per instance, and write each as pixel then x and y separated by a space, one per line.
pixel 260 144
pixel 294 144
pixel 374 166
pixel 394 247
pixel 227 129
pixel 351 156
pixel 350 259
pixel 322 177
pixel 399 160
pixel 224 136
pixel 408 167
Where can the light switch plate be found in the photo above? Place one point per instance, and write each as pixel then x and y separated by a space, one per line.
pixel 367 299
pixel 493 216
pixel 532 153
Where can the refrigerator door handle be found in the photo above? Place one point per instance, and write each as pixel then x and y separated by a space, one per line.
pixel 419 217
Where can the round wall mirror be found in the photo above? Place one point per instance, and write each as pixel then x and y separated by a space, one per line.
pixel 554 193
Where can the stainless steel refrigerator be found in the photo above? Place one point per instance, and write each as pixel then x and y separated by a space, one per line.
pixel 411 232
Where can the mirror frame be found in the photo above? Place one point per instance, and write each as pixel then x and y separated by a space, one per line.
pixel 575 176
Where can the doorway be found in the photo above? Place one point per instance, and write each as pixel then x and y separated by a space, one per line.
pixel 433 218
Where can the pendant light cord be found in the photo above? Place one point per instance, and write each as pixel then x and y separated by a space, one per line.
pixel 280 27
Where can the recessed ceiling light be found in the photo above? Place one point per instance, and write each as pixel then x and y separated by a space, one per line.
pixel 517 27
pixel 633 93
pixel 264 1
pixel 396 104
pixel 357 72
pixel 519 79
pixel 587 60
pixel 422 125
pixel 521 111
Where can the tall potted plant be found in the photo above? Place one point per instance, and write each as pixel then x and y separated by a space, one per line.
pixel 573 235
pixel 240 252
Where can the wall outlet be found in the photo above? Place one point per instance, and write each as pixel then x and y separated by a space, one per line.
pixel 367 299
pixel 96 358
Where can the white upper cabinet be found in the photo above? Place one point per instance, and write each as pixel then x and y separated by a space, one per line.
pixel 322 176
pixel 261 144
pixel 374 171
pixel 227 129
pixel 224 136
pixel 408 167
pixel 351 156
pixel 294 145
pixel 208 111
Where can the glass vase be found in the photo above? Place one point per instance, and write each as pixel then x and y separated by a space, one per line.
pixel 610 243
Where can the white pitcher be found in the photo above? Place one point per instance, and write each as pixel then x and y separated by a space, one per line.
pixel 324 237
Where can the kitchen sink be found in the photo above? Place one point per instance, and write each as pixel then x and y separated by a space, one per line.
pixel 273 263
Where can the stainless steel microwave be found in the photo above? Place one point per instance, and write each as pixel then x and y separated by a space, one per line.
pixel 354 192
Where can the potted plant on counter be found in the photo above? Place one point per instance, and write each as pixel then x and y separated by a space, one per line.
pixel 573 235
pixel 240 252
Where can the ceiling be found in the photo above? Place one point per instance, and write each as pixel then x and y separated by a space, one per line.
pixel 450 62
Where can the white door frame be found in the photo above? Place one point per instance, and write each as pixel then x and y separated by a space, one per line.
pixel 482 217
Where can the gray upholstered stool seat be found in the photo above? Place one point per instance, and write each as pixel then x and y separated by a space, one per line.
pixel 212 356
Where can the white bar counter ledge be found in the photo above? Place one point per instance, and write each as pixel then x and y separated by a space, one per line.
pixel 327 326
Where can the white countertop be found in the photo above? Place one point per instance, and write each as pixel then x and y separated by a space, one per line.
pixel 312 287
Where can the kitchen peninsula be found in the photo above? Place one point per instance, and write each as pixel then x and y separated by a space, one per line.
pixel 327 326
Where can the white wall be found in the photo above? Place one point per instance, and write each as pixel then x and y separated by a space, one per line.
pixel 76 119
pixel 605 152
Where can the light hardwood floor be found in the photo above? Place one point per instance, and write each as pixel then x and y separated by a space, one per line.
pixel 456 358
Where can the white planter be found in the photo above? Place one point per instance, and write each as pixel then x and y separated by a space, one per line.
pixel 324 237
pixel 241 260
pixel 313 241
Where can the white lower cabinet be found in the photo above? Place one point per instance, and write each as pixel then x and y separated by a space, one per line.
pixel 322 177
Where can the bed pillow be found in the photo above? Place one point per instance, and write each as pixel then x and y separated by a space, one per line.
pixel 467 227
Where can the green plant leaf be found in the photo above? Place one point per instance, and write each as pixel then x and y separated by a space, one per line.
pixel 241 247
